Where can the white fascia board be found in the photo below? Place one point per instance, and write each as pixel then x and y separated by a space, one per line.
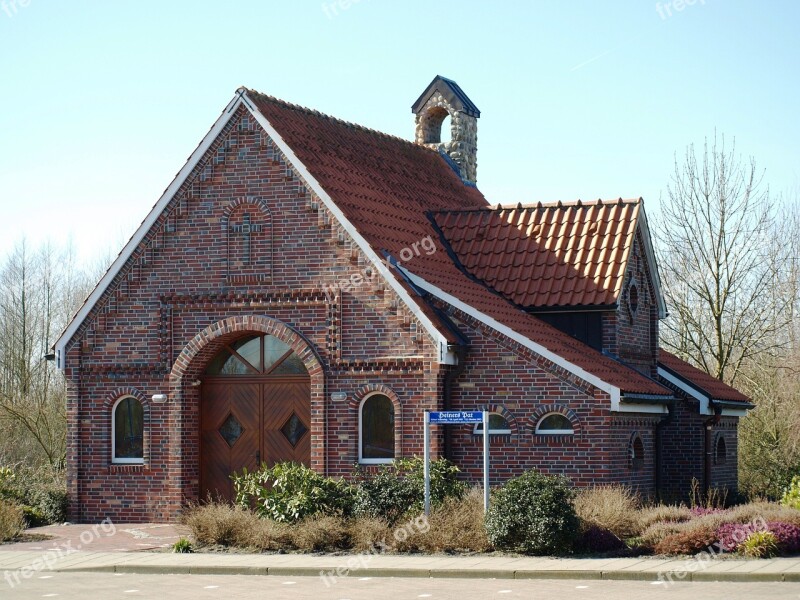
pixel 445 356
pixel 613 391
pixel 651 259
pixel 138 236
pixel 681 384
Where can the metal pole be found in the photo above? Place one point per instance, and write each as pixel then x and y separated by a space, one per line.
pixel 485 461
pixel 426 441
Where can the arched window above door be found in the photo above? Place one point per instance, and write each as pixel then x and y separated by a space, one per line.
pixel 256 355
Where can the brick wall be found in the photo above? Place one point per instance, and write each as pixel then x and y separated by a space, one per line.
pixel 197 268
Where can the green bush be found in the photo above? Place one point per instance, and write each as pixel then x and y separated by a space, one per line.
pixel 40 491
pixel 399 487
pixel 791 495
pixel 289 492
pixel 533 514
pixel 760 544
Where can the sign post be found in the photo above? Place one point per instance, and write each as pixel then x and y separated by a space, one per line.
pixel 455 417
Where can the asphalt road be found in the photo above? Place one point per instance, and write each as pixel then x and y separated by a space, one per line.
pixel 105 586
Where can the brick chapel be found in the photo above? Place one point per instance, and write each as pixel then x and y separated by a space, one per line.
pixel 306 287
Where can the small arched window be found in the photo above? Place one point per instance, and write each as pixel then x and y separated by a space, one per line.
pixel 721 451
pixel 498 425
pixel 636 452
pixel 127 431
pixel 554 424
pixel 376 430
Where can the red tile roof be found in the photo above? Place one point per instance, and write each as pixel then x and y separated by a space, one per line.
pixel 713 387
pixel 547 255
pixel 385 186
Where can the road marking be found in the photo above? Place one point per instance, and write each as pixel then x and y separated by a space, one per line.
pixel 130 591
pixel 211 587
pixel 581 587
pixel 364 578
pixel 504 592
pixel 49 595
pixel 289 582
pixel 424 595
pixel 46 577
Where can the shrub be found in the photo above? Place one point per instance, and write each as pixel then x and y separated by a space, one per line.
pixel 216 524
pixel 661 514
pixel 595 539
pixel 40 491
pixel 760 544
pixel 691 539
pixel 320 533
pixel 788 536
pixel 12 522
pixel 609 507
pixel 398 488
pixel 455 525
pixel 534 514
pixel 289 492
pixel 791 495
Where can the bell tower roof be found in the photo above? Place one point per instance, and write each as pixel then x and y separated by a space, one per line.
pixel 451 92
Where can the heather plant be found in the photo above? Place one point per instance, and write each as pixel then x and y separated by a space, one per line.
pixel 787 535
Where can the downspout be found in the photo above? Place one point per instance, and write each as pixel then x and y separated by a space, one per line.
pixel 708 426
pixel 447 400
pixel 662 423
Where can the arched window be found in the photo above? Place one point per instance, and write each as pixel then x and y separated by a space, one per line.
pixel 127 431
pixel 554 424
pixel 636 452
pixel 376 430
pixel 256 355
pixel 498 425
pixel 721 451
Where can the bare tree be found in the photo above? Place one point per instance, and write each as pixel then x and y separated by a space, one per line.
pixel 723 262
pixel 38 293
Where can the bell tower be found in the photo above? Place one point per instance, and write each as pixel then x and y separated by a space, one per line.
pixel 442 98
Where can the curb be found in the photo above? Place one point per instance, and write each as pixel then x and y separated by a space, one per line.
pixel 577 574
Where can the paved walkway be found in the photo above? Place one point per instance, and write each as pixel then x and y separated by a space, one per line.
pixel 119 549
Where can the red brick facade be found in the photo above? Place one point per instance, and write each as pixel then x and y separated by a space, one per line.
pixel 246 246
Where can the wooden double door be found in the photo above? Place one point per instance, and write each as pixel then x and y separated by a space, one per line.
pixel 245 422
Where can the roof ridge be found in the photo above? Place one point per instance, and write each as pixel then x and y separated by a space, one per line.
pixel 539 205
pixel 317 113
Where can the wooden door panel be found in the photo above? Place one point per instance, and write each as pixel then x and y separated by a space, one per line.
pixel 261 408
pixel 220 457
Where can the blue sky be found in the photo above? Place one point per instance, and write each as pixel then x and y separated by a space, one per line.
pixel 102 102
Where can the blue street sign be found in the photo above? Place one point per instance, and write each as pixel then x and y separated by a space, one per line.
pixel 454 417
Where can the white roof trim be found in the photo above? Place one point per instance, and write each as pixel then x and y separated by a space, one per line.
pixel 138 236
pixel 699 395
pixel 613 391
pixel 651 259
pixel 681 384
pixel 445 356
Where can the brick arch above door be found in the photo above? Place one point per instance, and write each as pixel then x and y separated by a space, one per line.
pixel 202 347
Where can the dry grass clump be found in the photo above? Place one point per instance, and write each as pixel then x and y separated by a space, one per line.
pixel 12 522
pixel 217 524
pixel 368 533
pixel 268 535
pixel 611 507
pixel 320 533
pixel 457 525
pixel 662 514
